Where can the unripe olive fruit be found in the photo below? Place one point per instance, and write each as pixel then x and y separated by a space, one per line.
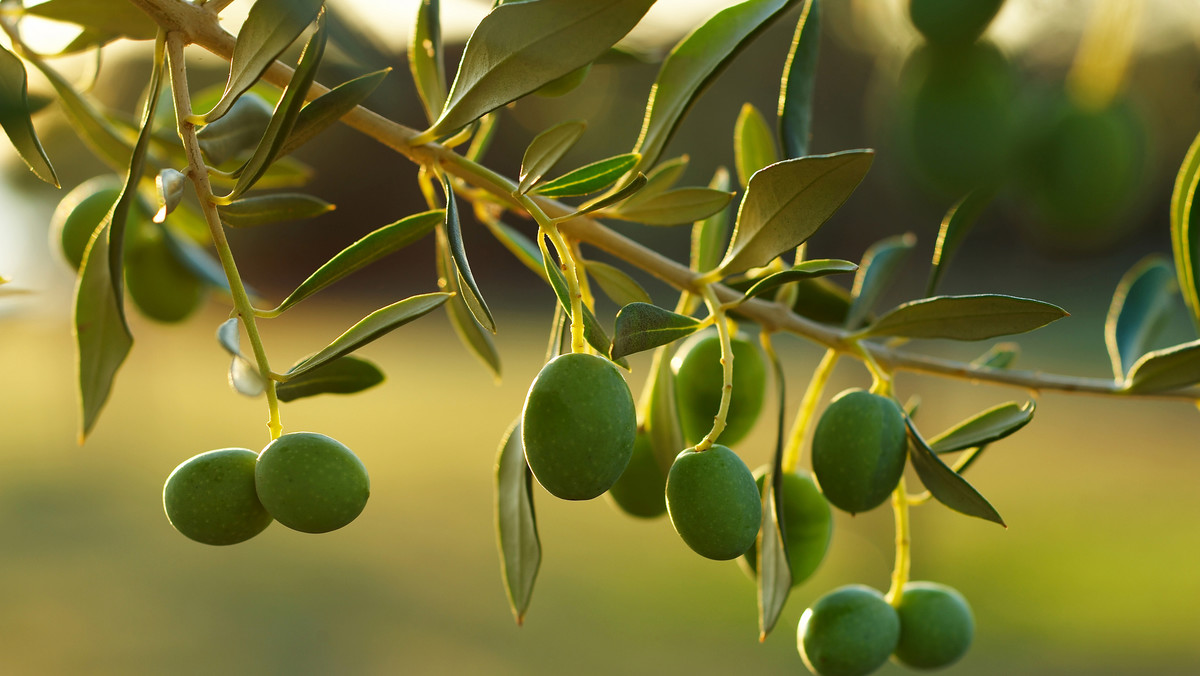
pixel 713 502
pixel 953 21
pixel 311 483
pixel 81 210
pixel 161 287
pixel 578 426
pixel 859 449
pixel 807 525
pixel 699 378
pixel 936 626
pixel 850 631
pixel 211 497
pixel 639 491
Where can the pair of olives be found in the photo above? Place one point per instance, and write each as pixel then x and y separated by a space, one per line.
pixel 852 630
pixel 161 287
pixel 306 481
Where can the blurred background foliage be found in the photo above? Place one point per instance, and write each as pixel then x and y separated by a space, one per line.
pixel 1097 573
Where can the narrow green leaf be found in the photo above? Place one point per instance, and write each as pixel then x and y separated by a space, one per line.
pixel 811 269
pixel 249 212
pixel 946 485
pixel 322 112
pixel 270 27
pixel 1166 369
pixel 661 413
pixel 546 149
pixel 661 179
pixel 984 428
pixel 1139 311
pixel 675 207
pixel 616 197
pixel 286 111
pixel 482 140
pixel 965 317
pixel 1185 242
pixel 516 522
pixel 753 144
pixel 999 356
pixel 589 178
pixel 642 326
pixel 709 235
pixel 955 226
pixel 471 294
pixel 592 332
pixel 520 46
pixel 371 327
pixel 102 336
pixel 344 375
pixel 796 89
pixel 244 378
pixel 93 128
pixel 470 333
pixel 618 286
pixel 105 20
pixel 879 266
pixel 693 64
pixel 372 247
pixel 15 117
pixel 785 203
pixel 774 571
pixel 425 58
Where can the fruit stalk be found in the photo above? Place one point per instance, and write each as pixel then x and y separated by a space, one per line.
pixel 718 316
pixel 808 407
pixel 903 563
pixel 570 269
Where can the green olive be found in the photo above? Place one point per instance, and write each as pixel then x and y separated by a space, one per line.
pixel 565 84
pixel 850 631
pixel 807 525
pixel 578 426
pixel 211 497
pixel 81 210
pixel 311 483
pixel 859 449
pixel 699 379
pixel 161 287
pixel 936 626
pixel 639 491
pixel 953 21
pixel 713 502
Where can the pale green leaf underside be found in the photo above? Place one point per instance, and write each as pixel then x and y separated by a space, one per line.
pixel 976 317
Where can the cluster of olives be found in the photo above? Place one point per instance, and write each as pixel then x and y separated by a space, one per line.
pixel 160 285
pixel 305 481
pixel 852 630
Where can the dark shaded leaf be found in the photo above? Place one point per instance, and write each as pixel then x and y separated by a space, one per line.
pixel 1185 241
pixel 945 484
pixel 322 112
pixel 955 226
pixel 15 117
pixel 344 375
pixel 589 178
pixel 618 286
pixel 1140 309
pixel 819 267
pixel 642 326
pixel 965 317
pixel 473 336
pixel 753 144
pixel 709 235
pixel 516 522
pixel 787 202
pixel 425 58
pixel 984 428
pixel 774 571
pixel 546 149
pixel 250 212
pixel 675 207
pixel 1166 369
pixel 470 289
pixel 796 88
pixel 879 266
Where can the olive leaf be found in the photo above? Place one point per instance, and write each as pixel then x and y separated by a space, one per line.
pixel 516 522
pixel 753 144
pixel 955 226
pixel 470 289
pixel 642 326
pixel 102 20
pixel 709 235
pixel 473 336
pixel 520 46
pixel 615 197
pixel 589 178
pixel 617 285
pixel 984 428
pixel 93 128
pixel 787 202
pixel 244 378
pixel 344 375
pixel 323 111
pixel 102 335
pixel 660 414
pixel 592 332
pixel 976 317
pixel 661 179
pixel 774 571
pixel 1140 309
pixel 796 88
pixel 372 247
pixel 15 117
pixel 373 326
pixel 810 269
pixel 425 58
pixel 693 64
pixel 999 356
pixel 675 207
pixel 946 485
pixel 249 212
pixel 270 27
pixel 546 149
pixel 1185 242
pixel 879 266
pixel 1166 369
pixel 485 131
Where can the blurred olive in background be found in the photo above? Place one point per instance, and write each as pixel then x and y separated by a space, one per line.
pixel 160 285
pixel 954 22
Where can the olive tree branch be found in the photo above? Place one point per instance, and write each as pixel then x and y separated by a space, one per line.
pixel 199 25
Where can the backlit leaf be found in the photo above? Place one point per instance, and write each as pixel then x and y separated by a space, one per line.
pixel 344 375
pixel 615 197
pixel 878 269
pixel 249 212
pixel 516 522
pixel 589 178
pixel 661 179
pixel 14 117
pixel 975 317
pixel 642 326
pixel 753 144
pixel 473 336
pixel 617 285
pixel 946 485
pixel 546 149
pixel 93 128
pixel 425 58
pixel 1139 311
pixel 983 428
pixel 709 236
pixel 811 269
pixel 470 289
pixel 796 89
pixel 1166 369
pixel 323 111
pixel 675 207
pixel 1185 240
pixel 955 226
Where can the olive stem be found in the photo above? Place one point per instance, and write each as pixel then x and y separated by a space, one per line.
pixel 718 316
pixel 903 545
pixel 808 407
pixel 198 172
pixel 568 264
